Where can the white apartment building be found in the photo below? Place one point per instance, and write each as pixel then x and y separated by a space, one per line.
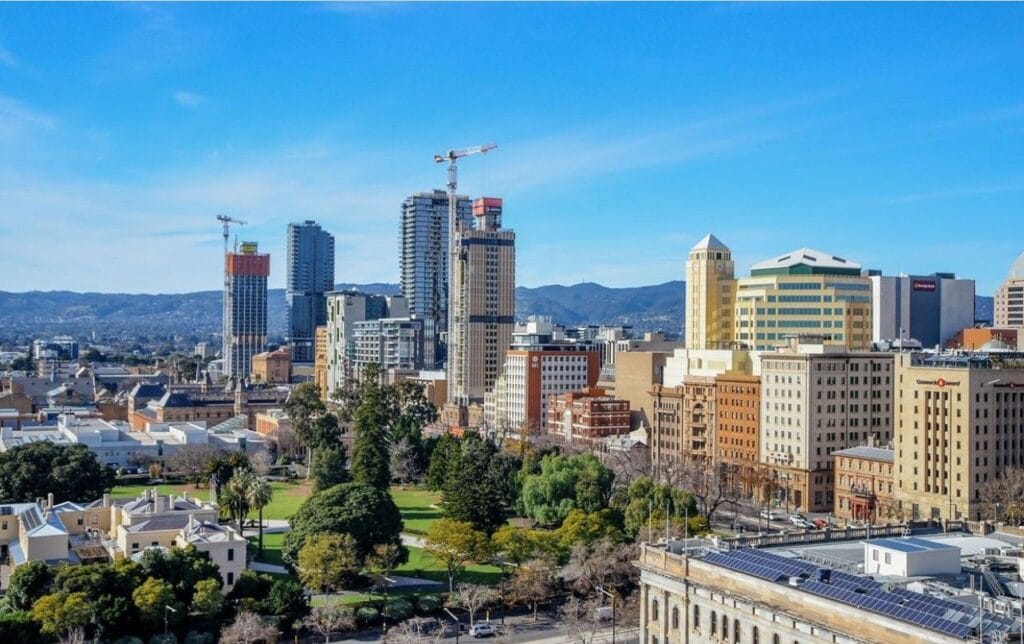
pixel 345 309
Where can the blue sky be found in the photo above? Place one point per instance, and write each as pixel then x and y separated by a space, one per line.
pixel 888 134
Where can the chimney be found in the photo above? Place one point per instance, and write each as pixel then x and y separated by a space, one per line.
pixel 49 500
pixel 106 500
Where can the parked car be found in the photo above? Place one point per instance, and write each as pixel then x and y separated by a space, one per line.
pixel 771 515
pixel 801 522
pixel 483 629
pixel 820 523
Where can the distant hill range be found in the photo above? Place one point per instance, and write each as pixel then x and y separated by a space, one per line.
pixel 35 313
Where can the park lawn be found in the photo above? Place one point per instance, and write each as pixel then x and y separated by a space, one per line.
pixel 418 508
pixel 421 564
pixel 134 491
pixel 287 499
pixel 271 547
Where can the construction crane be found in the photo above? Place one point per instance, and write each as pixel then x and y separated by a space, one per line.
pixel 456 374
pixel 227 221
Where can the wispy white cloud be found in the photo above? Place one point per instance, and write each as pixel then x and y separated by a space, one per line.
pixel 18 119
pixel 189 99
pixel 950 193
pixel 364 8
pixel 8 59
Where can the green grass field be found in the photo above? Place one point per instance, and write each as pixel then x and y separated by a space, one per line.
pixel 287 496
pixel 423 565
pixel 416 506
pixel 271 548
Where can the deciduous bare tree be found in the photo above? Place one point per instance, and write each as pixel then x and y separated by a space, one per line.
pixel 472 597
pixel 708 486
pixel 249 628
pixel 329 620
pixel 1004 497
pixel 532 583
pixel 191 462
pixel 580 617
pixel 603 564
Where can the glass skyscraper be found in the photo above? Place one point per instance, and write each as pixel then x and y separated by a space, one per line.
pixel 423 263
pixel 310 277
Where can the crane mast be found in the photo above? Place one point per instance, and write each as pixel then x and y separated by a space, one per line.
pixel 225 331
pixel 456 340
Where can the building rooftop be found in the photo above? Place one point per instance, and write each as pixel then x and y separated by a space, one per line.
pixel 864 451
pixel 710 242
pixel 806 261
pixel 911 544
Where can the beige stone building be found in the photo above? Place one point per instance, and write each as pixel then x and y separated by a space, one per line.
pixel 751 596
pixel 320 349
pixel 482 315
pixel 109 530
pixel 815 400
pixel 636 372
pixel 959 425
pixel 709 295
pixel 272 367
pixel 1008 308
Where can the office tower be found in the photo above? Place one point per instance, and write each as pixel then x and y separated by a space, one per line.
pixel 931 309
pixel 959 424
pixel 804 292
pixel 423 264
pixel 1009 301
pixel 310 278
pixel 483 314
pixel 245 308
pixel 709 279
pixel 345 309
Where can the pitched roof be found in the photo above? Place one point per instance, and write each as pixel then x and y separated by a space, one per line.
pixel 807 256
pixel 710 242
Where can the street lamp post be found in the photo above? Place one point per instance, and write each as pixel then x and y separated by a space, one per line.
pixel 166 620
pixel 612 596
pixel 456 620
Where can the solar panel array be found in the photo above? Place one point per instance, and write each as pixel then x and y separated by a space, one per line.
pixel 933 613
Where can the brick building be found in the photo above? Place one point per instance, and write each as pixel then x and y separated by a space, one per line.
pixel 580 417
pixel 864 484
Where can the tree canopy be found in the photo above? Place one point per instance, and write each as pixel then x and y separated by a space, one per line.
pixel 69 472
pixel 565 483
pixel 366 513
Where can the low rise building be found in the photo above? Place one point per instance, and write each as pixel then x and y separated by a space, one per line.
pixel 272 367
pixel 976 338
pixel 709 595
pixel 864 484
pixel 583 417
pixel 202 403
pixel 116 444
pixel 108 530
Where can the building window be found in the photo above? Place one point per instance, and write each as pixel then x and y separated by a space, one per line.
pixel 231 578
pixel 775 639
pixel 755 636
pixel 231 554
pixel 654 610
pixel 725 627
pixel 696 616
pixel 675 617
pixel 714 624
pixel 736 631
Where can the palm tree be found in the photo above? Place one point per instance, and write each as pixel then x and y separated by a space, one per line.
pixel 258 493
pixel 235 494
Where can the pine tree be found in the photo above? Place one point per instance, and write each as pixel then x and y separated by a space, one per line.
pixel 371 458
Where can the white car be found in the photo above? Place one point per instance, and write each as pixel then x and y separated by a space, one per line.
pixel 771 515
pixel 800 522
pixel 483 630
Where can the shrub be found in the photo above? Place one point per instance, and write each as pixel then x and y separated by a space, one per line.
pixel 200 638
pixel 169 638
pixel 429 604
pixel 398 609
pixel 367 615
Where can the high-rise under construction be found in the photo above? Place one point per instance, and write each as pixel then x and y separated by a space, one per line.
pixel 483 311
pixel 245 308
